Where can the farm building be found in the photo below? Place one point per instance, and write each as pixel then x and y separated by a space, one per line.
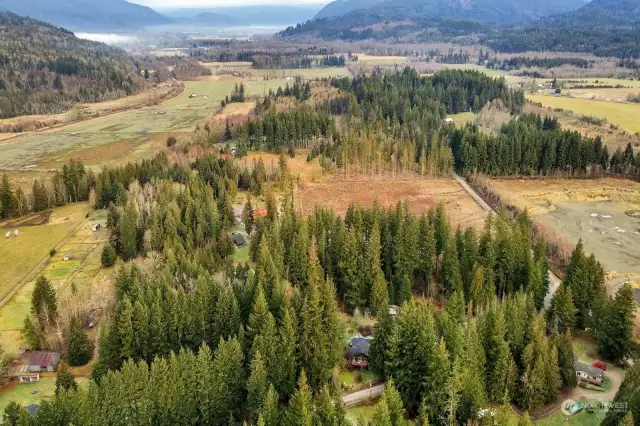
pixel 588 373
pixel 238 239
pixel 66 257
pixel 358 351
pixel 33 363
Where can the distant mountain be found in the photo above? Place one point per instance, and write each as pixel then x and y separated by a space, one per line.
pixel 392 18
pixel 209 18
pixel 342 7
pixel 252 15
pixel 602 27
pixel 48 69
pixel 87 15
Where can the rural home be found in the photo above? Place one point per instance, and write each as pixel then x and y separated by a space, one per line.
pixel 35 362
pixel 588 373
pixel 358 351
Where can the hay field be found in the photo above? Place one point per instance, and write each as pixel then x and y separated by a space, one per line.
pixel 304 73
pixel 84 246
pixel 598 211
pixel 136 127
pixel 381 60
pixel 626 115
pixel 420 194
pixel 38 234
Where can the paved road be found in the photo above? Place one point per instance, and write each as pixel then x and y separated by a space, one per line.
pixel 554 281
pixel 363 395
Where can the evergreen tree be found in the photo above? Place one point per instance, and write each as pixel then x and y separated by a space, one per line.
pixel 44 304
pixel 229 380
pixel 15 415
pixel 300 411
pixel 286 377
pixel 109 256
pixel 379 349
pixel 270 410
pixel 6 198
pixel 247 218
pixel 473 397
pixel 381 416
pixel 566 364
pixel 257 385
pixel 562 313
pixel 32 336
pixel 616 326
pixel 64 379
pixel 128 233
pixel 352 282
pixel 77 344
pixel 394 404
pixel 451 277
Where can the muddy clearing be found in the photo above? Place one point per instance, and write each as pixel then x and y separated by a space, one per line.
pixel 421 195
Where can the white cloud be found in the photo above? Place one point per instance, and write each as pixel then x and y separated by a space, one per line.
pixel 165 4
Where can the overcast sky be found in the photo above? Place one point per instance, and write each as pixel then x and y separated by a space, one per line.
pixel 166 4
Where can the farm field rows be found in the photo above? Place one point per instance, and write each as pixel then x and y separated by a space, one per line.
pixel 598 211
pixel 626 115
pixel 420 195
pixel 84 248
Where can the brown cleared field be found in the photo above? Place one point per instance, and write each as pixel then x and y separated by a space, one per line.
pixel 610 95
pixel 421 195
pixel 298 166
pixel 598 211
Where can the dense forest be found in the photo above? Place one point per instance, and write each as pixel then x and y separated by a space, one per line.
pixel 44 69
pixel 519 62
pixel 532 145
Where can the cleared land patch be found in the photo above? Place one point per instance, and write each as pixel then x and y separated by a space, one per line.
pixel 626 115
pixel 591 210
pixel 420 194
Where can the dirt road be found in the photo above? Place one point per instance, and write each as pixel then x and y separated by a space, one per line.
pixel 554 281
pixel 363 395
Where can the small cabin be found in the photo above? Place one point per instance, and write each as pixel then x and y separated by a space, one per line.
pixel 238 239
pixel 358 351
pixel 66 257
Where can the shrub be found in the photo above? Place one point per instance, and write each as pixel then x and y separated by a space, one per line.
pixel 52 252
pixel 109 256
pixel 171 141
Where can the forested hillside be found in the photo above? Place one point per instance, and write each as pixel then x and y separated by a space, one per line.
pixel 44 69
pixel 602 27
pixel 396 18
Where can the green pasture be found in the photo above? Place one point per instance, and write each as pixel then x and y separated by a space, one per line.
pixel 32 393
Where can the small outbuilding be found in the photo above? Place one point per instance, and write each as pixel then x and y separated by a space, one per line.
pixel 358 351
pixel 66 257
pixel 588 373
pixel 96 227
pixel 238 239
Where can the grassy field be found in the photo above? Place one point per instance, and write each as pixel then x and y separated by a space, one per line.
pixel 305 73
pixel 582 418
pixel 19 255
pixel 626 115
pixel 361 411
pixel 31 393
pixel 134 130
pixel 355 377
pixel 84 246
pixel 463 118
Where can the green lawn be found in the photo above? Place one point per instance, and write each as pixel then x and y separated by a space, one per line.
pixel 361 411
pixel 583 418
pixel 241 255
pixel 350 378
pixel 31 393
pixel 463 118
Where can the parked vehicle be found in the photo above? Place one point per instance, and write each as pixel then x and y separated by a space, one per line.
pixel 600 365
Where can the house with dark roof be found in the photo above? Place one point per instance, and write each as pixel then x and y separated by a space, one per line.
pixel 358 351
pixel 238 239
pixel 588 373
